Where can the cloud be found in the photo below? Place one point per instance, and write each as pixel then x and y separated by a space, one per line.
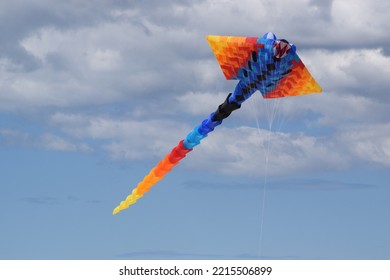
pixel 48 141
pixel 242 149
pixel 238 150
pixel 19 19
pixel 108 57
pixel 13 137
pixel 56 143
pixel 359 71
pixel 200 103
pixel 361 22
pixel 253 151
pixel 96 65
pixel 370 143
pixel 133 78
pixel 123 138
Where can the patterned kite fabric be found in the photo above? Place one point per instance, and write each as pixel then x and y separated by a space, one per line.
pixel 254 62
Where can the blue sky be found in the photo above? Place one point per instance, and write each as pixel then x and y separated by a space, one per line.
pixel 92 95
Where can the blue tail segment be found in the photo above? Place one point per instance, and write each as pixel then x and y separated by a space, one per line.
pixel 233 102
pixel 200 132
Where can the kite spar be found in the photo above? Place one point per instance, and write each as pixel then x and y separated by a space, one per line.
pixel 266 64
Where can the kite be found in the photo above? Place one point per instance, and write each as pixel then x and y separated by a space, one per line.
pixel 266 64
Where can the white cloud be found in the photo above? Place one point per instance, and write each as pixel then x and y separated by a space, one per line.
pixel 368 143
pixel 132 54
pixel 151 65
pixel 198 103
pixel 104 60
pixel 124 138
pixel 358 71
pixel 258 152
pixel 48 141
pixel 356 17
pixel 241 150
pixel 11 137
pixel 56 143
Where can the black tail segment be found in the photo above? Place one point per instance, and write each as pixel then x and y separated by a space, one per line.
pixel 225 109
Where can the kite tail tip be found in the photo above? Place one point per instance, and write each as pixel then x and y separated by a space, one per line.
pixel 116 211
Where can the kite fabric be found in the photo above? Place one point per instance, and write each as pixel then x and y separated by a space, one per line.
pixel 267 64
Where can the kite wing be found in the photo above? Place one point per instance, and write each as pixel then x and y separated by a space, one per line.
pixel 265 64
pixel 252 60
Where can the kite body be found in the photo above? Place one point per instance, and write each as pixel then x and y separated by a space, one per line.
pixel 266 64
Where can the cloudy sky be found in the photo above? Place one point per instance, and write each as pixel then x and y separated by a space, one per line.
pixel 94 93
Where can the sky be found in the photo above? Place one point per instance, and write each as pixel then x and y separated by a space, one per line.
pixel 94 93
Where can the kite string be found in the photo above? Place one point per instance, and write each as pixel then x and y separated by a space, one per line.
pixel 272 108
pixel 262 213
pixel 266 149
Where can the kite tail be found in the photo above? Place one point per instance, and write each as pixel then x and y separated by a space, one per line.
pixel 155 175
pixel 232 102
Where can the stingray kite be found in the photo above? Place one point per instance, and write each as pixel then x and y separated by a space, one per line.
pixel 266 64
